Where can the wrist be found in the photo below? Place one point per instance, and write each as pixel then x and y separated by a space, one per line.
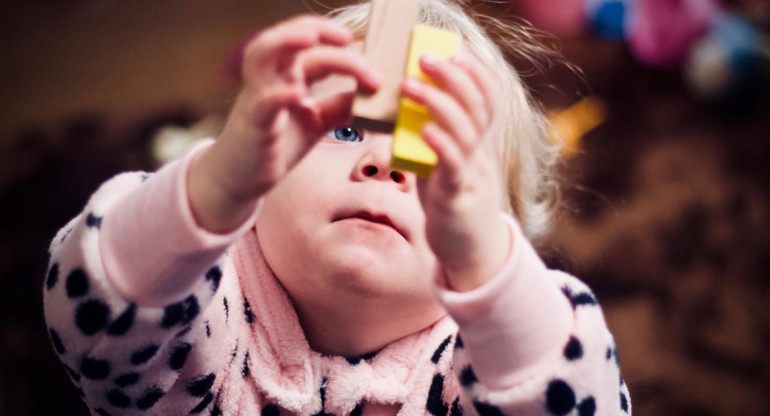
pixel 214 203
pixel 483 262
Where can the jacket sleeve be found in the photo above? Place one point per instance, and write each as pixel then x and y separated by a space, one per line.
pixel 124 348
pixel 534 341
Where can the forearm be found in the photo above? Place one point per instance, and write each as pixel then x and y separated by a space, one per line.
pixel 514 322
pixel 151 245
pixel 214 201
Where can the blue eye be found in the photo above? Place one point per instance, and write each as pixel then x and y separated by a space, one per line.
pixel 345 134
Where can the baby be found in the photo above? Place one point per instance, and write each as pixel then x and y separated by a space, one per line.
pixel 286 268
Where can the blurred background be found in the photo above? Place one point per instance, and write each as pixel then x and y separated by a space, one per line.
pixel 667 173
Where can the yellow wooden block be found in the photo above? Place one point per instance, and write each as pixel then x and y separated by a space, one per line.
pixel 410 152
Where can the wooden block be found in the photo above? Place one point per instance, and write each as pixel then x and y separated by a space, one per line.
pixel 385 46
pixel 410 152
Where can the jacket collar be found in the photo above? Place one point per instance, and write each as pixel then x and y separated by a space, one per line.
pixel 303 381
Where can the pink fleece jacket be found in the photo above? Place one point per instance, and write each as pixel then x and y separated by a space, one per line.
pixel 152 315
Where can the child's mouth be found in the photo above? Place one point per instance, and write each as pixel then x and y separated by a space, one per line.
pixel 375 218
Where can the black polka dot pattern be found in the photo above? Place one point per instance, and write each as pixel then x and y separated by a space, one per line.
pixel 124 322
pixel 486 409
pixel 101 412
pixel 66 234
pixel 213 276
pixel 459 342
pixel 184 331
pixel 467 377
pixel 95 369
pixel 559 398
pixel 199 385
pixel 53 276
pixel 180 313
pixel 247 311
pixel 573 350
pixel 435 404
pixel 92 221
pixel 245 366
pixel 270 410
pixel 179 355
pixel 128 379
pixel 587 407
pixel 149 397
pixel 580 299
pixel 125 387
pixel 77 284
pixel 58 345
pixel 440 350
pixel 117 398
pixel 357 359
pixel 203 403
pixel 322 392
pixel 456 409
pixel 234 353
pixel 92 316
pixel 144 354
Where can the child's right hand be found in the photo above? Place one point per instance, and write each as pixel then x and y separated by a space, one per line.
pixel 275 120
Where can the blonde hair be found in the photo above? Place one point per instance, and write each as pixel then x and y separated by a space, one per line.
pixel 527 156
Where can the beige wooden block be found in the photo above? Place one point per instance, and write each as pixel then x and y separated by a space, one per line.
pixel 386 46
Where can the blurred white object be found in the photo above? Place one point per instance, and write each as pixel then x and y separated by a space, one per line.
pixel 172 142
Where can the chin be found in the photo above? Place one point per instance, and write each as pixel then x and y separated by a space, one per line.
pixel 368 272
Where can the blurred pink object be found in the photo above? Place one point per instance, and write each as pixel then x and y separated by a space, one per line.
pixel 560 17
pixel 661 32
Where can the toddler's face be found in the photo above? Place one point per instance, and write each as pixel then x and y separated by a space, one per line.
pixel 343 224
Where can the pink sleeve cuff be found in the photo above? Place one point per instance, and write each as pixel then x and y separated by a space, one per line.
pixel 153 250
pixel 514 324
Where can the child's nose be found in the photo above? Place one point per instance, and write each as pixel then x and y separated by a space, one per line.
pixel 375 164
pixel 375 172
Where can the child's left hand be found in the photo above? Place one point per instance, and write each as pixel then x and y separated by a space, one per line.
pixel 462 198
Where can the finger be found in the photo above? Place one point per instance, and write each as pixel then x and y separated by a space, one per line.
pixel 454 80
pixel 450 159
pixel 264 109
pixel 334 110
pixel 276 46
pixel 445 111
pixel 481 77
pixel 319 115
pixel 328 31
pixel 318 63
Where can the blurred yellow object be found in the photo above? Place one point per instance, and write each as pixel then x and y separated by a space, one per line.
pixel 568 126
pixel 410 152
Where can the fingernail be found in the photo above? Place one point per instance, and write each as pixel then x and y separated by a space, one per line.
pixel 459 58
pixel 429 60
pixel 375 76
pixel 412 84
